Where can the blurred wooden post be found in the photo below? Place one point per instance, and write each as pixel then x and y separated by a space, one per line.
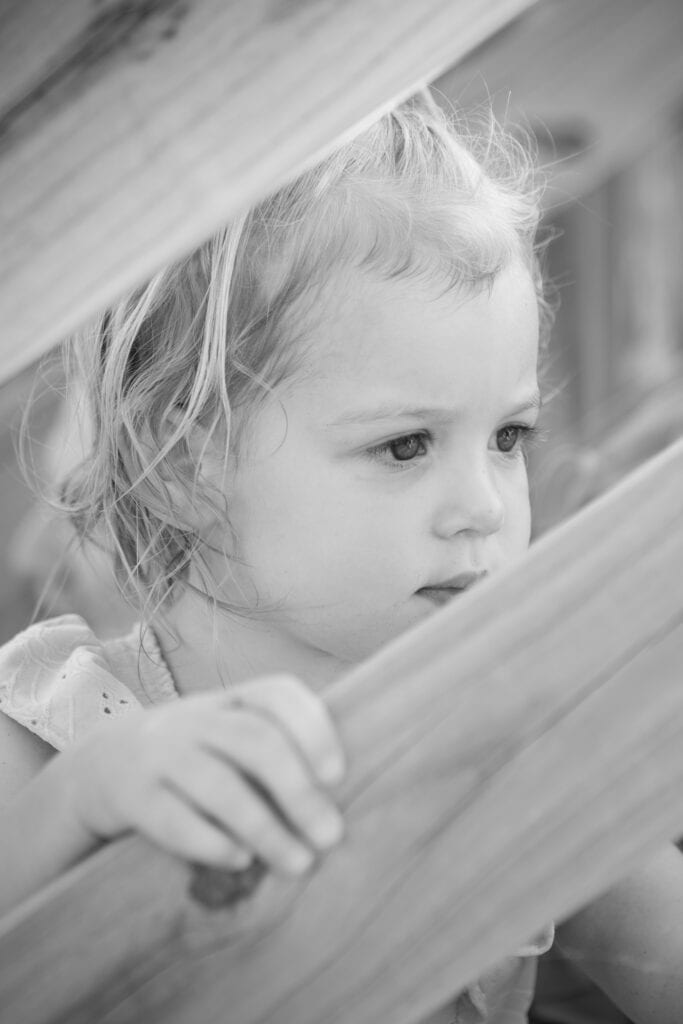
pixel 648 228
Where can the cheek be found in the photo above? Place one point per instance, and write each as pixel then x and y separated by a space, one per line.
pixel 518 517
pixel 299 518
pixel 344 546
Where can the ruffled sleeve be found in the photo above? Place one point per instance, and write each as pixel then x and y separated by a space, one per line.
pixel 56 680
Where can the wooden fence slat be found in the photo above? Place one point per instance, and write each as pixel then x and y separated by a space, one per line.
pixel 509 758
pixel 130 131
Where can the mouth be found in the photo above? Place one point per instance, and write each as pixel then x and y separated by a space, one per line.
pixel 442 593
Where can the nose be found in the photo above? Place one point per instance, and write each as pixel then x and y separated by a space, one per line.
pixel 470 502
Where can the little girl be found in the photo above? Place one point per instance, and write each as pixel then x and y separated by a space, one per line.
pixel 302 439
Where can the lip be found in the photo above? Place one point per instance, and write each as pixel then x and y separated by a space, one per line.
pixel 442 593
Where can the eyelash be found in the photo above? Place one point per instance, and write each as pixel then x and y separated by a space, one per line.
pixel 385 451
pixel 526 437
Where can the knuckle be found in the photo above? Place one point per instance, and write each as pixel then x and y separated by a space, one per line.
pixel 253 816
pixel 289 681
pixel 251 731
pixel 162 820
pixel 264 741
pixel 293 780
pixel 285 684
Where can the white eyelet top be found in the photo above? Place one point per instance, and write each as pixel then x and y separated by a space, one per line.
pixel 58 680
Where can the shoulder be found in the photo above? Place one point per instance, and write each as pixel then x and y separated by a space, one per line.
pixel 44 643
pixel 57 682
pixel 639 921
pixel 23 661
pixel 137 660
pixel 643 900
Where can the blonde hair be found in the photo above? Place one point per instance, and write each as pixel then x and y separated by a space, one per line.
pixel 415 195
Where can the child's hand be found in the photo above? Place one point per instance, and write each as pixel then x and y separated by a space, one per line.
pixel 217 778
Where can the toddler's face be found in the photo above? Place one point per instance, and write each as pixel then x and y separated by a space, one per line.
pixel 393 474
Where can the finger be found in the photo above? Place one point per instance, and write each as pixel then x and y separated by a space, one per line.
pixel 262 752
pixel 225 797
pixel 178 827
pixel 303 715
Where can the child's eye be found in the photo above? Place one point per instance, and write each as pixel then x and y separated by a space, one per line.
pixel 514 436
pixel 402 449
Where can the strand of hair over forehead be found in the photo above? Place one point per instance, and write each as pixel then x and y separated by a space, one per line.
pixel 409 196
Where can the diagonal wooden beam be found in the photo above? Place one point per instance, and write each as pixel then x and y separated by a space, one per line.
pixel 130 130
pixel 509 759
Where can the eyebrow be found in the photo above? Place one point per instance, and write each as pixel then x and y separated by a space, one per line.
pixel 438 414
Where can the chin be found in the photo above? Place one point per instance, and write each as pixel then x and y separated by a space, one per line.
pixel 353 641
pixel 409 618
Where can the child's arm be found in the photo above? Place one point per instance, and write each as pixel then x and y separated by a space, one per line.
pixel 630 941
pixel 38 837
pixel 215 779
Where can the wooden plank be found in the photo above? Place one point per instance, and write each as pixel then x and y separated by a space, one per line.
pixel 130 131
pixel 597 77
pixel 648 249
pixel 499 778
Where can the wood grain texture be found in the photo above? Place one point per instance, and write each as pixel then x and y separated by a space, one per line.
pixel 509 758
pixel 597 80
pixel 130 130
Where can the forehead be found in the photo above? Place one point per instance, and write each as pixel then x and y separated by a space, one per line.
pixel 403 340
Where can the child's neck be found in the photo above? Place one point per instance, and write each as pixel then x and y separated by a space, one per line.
pixel 207 650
